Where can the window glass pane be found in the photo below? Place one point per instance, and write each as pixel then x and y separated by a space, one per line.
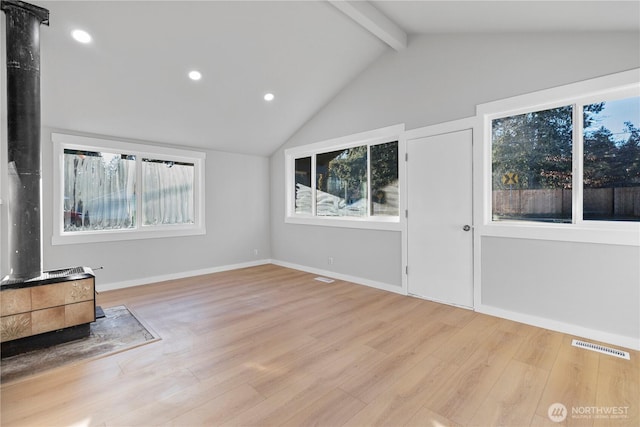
pixel 341 182
pixel 611 178
pixel 303 185
pixel 167 192
pixel 99 191
pixel 531 166
pixel 384 179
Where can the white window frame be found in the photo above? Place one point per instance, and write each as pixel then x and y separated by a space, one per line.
pixel 608 88
pixel 374 137
pixel 77 142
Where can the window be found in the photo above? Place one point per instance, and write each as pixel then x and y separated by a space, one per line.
pixel 384 179
pixel 532 163
pixel 611 162
pixel 352 179
pixel 341 182
pixel 109 190
pixel 302 196
pixel 531 166
pixel 568 168
pixel 99 190
pixel 168 192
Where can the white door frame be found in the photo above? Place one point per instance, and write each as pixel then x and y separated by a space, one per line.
pixel 433 130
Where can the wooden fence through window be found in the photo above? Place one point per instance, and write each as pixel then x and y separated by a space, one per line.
pixel 622 203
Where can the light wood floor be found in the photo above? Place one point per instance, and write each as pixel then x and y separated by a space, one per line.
pixel 270 346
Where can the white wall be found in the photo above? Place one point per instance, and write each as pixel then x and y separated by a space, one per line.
pixel 237 222
pixel 441 78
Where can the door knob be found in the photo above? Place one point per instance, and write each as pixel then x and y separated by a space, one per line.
pixel 466 228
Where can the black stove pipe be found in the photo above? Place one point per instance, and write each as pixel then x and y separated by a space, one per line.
pixel 23 22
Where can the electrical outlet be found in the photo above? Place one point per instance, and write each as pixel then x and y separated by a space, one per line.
pixel 330 260
pixel 256 252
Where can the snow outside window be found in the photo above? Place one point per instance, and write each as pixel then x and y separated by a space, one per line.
pixel 351 181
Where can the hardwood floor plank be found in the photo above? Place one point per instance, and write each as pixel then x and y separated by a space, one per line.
pixel 401 401
pixel 540 348
pixel 122 397
pixel 463 394
pixel 35 397
pixel 254 349
pixel 514 397
pixel 618 385
pixel 467 340
pixel 220 409
pixel 426 417
pixel 171 406
pixel 370 384
pixel 331 409
pixel 278 408
pixel 572 382
pixel 452 315
pixel 319 359
pixel 426 339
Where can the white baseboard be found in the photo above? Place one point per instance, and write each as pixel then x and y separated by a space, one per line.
pixel 201 272
pixel 345 277
pixel 566 328
pixel 174 276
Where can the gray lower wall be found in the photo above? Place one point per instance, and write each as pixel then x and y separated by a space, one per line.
pixel 441 78
pixel 592 286
pixel 237 222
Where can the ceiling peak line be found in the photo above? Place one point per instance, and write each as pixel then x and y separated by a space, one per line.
pixel 374 21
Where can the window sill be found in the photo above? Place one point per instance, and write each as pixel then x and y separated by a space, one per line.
pixel 627 234
pixel 382 223
pixel 119 235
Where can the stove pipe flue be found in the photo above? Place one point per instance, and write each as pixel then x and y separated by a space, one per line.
pixel 23 136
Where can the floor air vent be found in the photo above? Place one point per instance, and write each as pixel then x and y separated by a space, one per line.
pixel 600 349
pixel 324 279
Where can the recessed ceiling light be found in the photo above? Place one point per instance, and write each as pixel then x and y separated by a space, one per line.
pixel 81 36
pixel 195 75
pixel 269 97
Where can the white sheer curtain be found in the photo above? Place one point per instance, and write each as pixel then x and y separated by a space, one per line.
pixel 100 191
pixel 168 196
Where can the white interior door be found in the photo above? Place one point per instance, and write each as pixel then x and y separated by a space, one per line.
pixel 440 214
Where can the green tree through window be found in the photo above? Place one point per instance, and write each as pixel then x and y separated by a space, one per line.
pixel 532 163
pixel 534 149
pixel 611 177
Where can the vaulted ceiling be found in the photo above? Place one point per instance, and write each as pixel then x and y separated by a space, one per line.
pixel 131 80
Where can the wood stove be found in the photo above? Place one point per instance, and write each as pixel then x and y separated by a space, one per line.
pixel 36 308
pixel 56 307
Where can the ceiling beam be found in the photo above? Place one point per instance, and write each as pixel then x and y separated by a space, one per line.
pixel 365 14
